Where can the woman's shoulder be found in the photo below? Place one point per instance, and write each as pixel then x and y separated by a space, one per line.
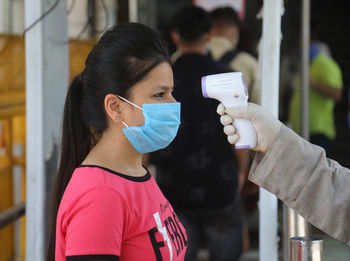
pixel 106 174
pixel 86 177
pixel 87 186
pixel 85 181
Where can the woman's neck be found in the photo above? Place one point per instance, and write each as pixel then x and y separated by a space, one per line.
pixel 115 152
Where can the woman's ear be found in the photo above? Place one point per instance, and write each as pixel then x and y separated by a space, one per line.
pixel 112 107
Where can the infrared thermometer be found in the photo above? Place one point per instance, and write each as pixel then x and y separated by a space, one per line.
pixel 230 89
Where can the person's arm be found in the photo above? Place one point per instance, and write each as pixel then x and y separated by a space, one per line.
pixel 300 175
pixel 296 171
pixel 326 90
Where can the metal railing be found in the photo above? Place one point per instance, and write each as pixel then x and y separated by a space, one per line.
pixel 12 171
pixel 10 107
pixel 9 216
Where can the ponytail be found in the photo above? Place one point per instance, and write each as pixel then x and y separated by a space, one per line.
pixel 76 142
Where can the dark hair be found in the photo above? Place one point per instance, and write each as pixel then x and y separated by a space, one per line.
pixel 224 16
pixel 123 56
pixel 191 23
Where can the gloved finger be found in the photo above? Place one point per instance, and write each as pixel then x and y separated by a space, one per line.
pixel 229 130
pixel 225 120
pixel 221 109
pixel 239 112
pixel 232 139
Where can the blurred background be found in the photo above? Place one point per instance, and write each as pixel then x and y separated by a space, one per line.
pixel 87 20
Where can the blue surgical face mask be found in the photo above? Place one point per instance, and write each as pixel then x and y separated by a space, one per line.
pixel 162 122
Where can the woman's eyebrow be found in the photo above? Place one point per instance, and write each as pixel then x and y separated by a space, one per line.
pixel 163 87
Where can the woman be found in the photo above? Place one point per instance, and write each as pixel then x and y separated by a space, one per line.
pixel 108 206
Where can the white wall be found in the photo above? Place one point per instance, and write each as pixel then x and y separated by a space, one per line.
pixel 17 11
pixel 101 15
pixel 46 80
pixel 12 16
pixel 3 17
pixel 77 18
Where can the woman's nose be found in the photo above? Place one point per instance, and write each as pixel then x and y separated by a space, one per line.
pixel 172 99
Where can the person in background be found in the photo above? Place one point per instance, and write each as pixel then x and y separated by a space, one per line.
pixel 223 48
pixel 296 171
pixel 106 204
pixel 325 90
pixel 199 171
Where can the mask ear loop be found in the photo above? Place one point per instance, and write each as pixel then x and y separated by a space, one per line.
pixel 131 104
pixel 124 124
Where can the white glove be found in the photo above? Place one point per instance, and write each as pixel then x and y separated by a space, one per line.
pixel 265 124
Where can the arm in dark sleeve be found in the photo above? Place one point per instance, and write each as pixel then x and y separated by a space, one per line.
pixel 300 175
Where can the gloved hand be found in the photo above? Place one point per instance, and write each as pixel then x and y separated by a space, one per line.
pixel 265 124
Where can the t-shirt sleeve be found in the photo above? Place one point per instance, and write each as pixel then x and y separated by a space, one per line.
pixel 330 73
pixel 96 223
pixel 93 258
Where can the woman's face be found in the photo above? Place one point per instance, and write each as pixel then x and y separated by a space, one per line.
pixel 156 87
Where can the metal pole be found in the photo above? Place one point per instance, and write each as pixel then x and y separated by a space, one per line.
pixel 294 224
pixel 270 63
pixel 305 69
pixel 46 49
pixel 306 249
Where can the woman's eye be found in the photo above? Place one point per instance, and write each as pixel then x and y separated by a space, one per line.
pixel 159 95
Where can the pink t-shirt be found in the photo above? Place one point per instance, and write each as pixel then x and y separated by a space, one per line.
pixel 107 213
